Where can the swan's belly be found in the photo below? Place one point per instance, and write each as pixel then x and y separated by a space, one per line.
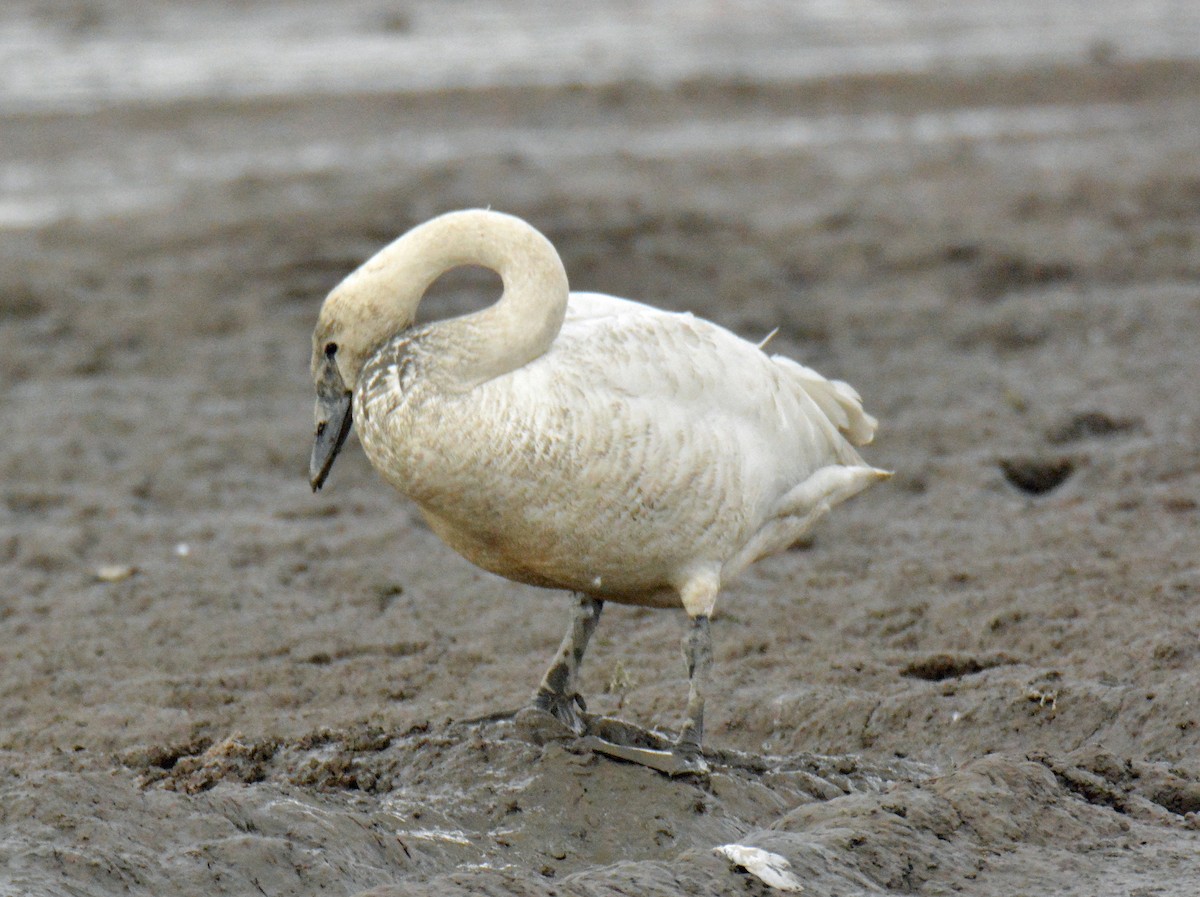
pixel 630 566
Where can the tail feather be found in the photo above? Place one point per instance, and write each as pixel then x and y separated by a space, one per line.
pixel 837 400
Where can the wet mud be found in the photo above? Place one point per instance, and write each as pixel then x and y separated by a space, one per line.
pixel 980 677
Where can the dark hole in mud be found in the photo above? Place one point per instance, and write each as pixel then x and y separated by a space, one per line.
pixel 937 667
pixel 961 253
pixel 34 502
pixel 166 760
pixel 21 302
pixel 1004 274
pixel 1090 425
pixel 165 757
pixel 1037 476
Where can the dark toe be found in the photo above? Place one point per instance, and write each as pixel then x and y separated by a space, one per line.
pixel 566 709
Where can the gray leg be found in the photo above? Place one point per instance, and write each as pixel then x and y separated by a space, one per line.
pixel 558 697
pixel 697 651
pixel 558 694
pixel 684 757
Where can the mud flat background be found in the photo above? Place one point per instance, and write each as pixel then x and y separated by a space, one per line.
pixel 982 677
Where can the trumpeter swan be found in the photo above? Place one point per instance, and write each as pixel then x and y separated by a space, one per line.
pixel 579 441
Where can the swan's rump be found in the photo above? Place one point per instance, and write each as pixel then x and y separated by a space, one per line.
pixel 640 444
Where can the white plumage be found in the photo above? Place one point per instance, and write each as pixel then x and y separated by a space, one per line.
pixel 580 441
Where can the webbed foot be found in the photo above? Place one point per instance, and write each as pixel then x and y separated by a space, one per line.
pixel 567 709
pixel 552 717
pixel 558 710
pixel 674 762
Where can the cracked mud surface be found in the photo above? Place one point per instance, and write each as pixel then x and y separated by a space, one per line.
pixel 980 677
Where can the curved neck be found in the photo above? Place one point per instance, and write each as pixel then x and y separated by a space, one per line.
pixel 485 344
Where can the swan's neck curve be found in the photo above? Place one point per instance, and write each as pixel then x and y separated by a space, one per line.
pixel 485 344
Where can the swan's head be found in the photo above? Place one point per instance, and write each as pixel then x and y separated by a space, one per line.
pixel 365 310
pixel 379 301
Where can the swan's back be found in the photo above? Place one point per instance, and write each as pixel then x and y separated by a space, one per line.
pixel 642 445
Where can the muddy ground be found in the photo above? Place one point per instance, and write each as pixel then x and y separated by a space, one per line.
pixel 982 677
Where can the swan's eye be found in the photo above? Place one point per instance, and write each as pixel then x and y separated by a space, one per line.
pixel 330 350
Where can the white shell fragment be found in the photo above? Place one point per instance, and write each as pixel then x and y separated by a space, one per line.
pixel 115 572
pixel 769 868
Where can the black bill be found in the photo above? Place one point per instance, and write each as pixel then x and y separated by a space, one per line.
pixel 335 416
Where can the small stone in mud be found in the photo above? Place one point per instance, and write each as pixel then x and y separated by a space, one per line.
pixel 1090 425
pixel 1037 476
